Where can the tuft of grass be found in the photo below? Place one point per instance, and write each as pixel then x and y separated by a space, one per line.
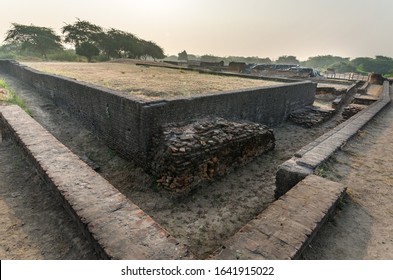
pixel 3 84
pixel 322 170
pixel 12 98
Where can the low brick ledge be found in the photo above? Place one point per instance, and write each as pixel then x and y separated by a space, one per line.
pixel 286 227
pixel 306 160
pixel 117 228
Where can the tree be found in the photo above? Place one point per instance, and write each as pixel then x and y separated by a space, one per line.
pixel 324 61
pixel 343 67
pixel 287 59
pixel 88 50
pixel 211 58
pixel 183 56
pixel 34 38
pixel 380 65
pixel 153 50
pixel 116 43
pixel 80 32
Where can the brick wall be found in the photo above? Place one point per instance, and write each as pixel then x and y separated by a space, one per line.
pixel 127 124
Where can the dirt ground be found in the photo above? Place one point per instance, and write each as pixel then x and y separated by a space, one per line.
pixel 148 83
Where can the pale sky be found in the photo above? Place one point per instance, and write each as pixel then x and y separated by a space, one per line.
pixel 264 28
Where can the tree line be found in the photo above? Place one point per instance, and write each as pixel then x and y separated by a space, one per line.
pixel 89 40
pixel 92 41
pixel 363 65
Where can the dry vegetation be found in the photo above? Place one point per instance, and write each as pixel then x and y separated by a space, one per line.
pixel 146 82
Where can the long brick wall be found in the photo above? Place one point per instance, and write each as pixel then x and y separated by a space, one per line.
pixel 116 227
pixel 127 124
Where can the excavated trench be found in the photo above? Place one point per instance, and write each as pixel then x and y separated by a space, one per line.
pixel 207 215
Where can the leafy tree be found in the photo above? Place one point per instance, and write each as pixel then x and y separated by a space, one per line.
pixel 379 64
pixel 287 59
pixel 80 32
pixel 183 55
pixel 250 59
pixel 192 57
pixel 324 61
pixel 34 38
pixel 116 43
pixel 153 50
pixel 88 50
pixel 211 58
pixel 343 67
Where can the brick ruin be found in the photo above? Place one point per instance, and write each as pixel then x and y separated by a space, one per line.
pixel 186 156
pixel 130 126
pixel 310 116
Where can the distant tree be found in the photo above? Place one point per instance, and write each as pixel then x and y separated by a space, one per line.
pixel 10 47
pixel 183 56
pixel 150 49
pixel 250 59
pixel 153 50
pixel 192 57
pixel 34 38
pixel 117 44
pixel 343 67
pixel 171 57
pixel 80 32
pixel 379 64
pixel 88 50
pixel 211 58
pixel 287 59
pixel 324 61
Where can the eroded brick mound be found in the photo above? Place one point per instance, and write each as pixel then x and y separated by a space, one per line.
pixel 309 117
pixel 188 156
pixel 376 79
pixel 352 109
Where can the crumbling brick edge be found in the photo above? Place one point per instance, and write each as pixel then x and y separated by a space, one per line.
pixel 306 160
pixel 116 228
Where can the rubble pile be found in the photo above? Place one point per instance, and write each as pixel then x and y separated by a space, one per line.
pixel 311 116
pixel 352 109
pixel 186 156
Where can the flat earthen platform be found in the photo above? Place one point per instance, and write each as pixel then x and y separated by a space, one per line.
pixel 287 226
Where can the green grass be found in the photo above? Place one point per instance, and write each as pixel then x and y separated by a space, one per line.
pixel 322 170
pixel 12 98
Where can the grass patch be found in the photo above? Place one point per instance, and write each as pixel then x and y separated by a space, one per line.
pixel 322 170
pixel 9 96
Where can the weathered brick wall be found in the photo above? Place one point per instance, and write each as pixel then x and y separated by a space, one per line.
pixel 185 157
pixel 127 124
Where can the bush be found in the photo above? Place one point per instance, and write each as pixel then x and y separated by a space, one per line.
pixel 66 55
pixel 9 55
pixel 12 98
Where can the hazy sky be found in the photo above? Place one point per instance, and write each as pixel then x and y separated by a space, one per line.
pixel 264 28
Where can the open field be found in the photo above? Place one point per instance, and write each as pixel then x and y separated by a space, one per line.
pixel 148 83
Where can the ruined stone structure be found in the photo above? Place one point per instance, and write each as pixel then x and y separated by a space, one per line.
pixel 128 124
pixel 187 156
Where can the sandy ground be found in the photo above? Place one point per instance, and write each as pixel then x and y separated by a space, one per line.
pixel 148 83
pixel 363 226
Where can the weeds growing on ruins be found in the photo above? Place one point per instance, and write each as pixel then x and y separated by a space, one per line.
pixel 8 95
